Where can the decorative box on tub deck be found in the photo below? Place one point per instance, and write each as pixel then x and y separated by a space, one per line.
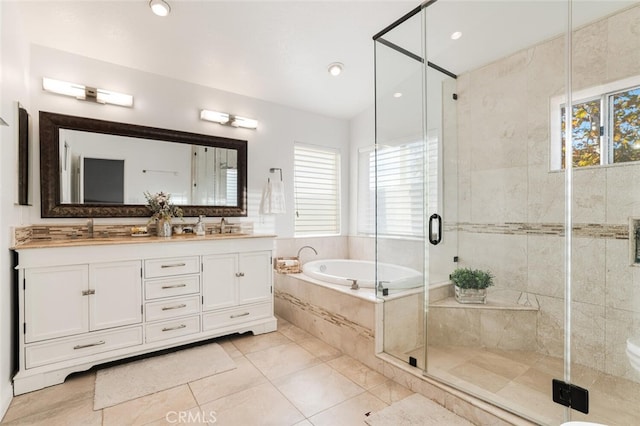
pixel 287 265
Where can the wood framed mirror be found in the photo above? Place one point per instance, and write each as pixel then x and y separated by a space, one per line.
pixel 97 168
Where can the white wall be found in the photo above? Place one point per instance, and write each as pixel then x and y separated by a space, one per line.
pixel 174 104
pixel 159 102
pixel 13 87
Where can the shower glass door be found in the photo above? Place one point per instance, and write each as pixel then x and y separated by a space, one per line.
pixel 398 168
pixel 604 163
pixel 503 207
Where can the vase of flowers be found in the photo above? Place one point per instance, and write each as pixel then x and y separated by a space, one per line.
pixel 163 211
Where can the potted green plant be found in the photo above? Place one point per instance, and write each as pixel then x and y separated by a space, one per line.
pixel 471 285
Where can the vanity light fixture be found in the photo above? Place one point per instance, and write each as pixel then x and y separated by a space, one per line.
pixel 335 68
pixel 228 119
pixel 160 7
pixel 86 93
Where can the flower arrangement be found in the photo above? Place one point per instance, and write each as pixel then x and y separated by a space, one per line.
pixel 160 205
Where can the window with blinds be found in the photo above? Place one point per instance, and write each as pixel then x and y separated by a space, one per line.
pixel 316 190
pixel 400 190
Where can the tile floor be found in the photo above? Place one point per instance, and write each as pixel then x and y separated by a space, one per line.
pixel 283 378
pixel 521 381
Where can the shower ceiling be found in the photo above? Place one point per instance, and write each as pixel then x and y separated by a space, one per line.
pixel 278 50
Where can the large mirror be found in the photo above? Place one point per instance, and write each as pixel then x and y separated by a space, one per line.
pixel 96 168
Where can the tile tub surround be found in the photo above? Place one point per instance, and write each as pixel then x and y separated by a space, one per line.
pixel 342 320
pixel 348 324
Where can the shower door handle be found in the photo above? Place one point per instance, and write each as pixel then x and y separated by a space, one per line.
pixel 435 238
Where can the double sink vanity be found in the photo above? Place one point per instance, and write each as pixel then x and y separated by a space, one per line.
pixel 86 301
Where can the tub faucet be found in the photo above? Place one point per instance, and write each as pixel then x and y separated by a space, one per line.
pixel 304 247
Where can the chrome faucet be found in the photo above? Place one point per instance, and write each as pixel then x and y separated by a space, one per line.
pixel 304 247
pixel 223 224
pixel 354 284
pixel 90 228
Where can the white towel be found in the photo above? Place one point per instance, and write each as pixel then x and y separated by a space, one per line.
pixel 272 201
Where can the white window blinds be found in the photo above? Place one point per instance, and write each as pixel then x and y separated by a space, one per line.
pixel 316 190
pixel 400 190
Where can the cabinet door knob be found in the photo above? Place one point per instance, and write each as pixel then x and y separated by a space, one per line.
pixel 88 292
pixel 239 274
pixel 239 315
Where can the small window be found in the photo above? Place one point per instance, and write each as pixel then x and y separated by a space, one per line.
pixel 625 125
pixel 605 125
pixel 316 191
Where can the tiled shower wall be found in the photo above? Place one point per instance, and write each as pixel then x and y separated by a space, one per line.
pixel 511 206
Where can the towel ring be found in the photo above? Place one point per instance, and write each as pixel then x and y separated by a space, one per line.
pixel 273 170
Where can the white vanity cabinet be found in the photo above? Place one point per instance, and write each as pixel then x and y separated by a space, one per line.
pixel 68 300
pixel 81 304
pixel 235 289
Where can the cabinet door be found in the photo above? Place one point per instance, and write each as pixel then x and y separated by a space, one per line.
pixel 117 299
pixel 219 289
pixel 54 302
pixel 254 284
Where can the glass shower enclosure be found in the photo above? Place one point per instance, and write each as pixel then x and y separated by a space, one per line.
pixel 479 164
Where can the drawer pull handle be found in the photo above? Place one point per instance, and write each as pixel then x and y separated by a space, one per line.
pixel 239 315
pixel 164 287
pixel 88 292
pixel 174 265
pixel 101 342
pixel 239 274
pixel 167 308
pixel 174 328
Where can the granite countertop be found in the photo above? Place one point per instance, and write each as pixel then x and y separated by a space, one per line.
pixel 101 241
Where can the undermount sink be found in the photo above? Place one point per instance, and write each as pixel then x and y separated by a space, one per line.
pixel 633 352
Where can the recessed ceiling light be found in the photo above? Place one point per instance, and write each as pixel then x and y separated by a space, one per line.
pixel 397 95
pixel 160 7
pixel 456 35
pixel 335 68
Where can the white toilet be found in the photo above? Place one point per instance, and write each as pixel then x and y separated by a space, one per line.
pixel 633 352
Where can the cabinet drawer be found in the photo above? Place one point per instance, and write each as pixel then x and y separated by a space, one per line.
pixel 172 308
pixel 238 315
pixel 94 343
pixel 175 328
pixel 170 266
pixel 171 287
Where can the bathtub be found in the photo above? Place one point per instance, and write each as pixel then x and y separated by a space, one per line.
pixel 341 271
